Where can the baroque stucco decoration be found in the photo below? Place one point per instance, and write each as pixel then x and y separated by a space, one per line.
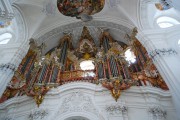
pixel 37 115
pixel 162 52
pixel 157 113
pixel 116 109
pixel 78 102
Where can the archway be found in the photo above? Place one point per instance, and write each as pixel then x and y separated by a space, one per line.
pixel 77 118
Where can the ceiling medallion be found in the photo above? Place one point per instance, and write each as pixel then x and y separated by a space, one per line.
pixel 81 9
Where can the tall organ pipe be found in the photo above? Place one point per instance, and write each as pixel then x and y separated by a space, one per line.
pixel 64 53
pixel 100 70
pixel 54 75
pixel 42 74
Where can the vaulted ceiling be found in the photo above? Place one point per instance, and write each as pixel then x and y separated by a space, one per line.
pixel 119 16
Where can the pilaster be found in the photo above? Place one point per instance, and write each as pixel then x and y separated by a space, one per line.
pixel 166 59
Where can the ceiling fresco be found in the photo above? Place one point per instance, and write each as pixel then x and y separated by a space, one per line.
pixel 74 8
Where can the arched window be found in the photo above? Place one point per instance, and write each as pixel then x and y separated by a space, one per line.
pixel 165 22
pixel 5 37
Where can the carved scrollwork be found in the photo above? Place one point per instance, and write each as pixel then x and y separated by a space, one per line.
pixel 116 109
pixel 77 102
pixel 38 115
pixel 157 112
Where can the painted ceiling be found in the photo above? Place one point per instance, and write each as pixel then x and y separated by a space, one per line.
pixel 76 7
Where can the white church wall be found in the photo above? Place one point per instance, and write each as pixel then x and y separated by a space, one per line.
pixel 13 52
pixel 161 48
pixel 92 102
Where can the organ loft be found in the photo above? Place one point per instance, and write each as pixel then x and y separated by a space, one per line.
pixel 110 63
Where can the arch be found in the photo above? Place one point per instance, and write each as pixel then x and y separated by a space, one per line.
pixel 88 116
pixel 77 100
pixel 77 118
pixel 21 23
pixel 71 24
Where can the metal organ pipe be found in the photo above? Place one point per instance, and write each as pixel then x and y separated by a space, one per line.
pixel 33 80
pixel 50 75
pixel 123 71
pixel 28 65
pixel 41 76
pixel 108 68
pixel 117 64
pixel 64 53
pixel 46 74
pixel 25 64
pixel 100 70
pixel 106 44
pixel 113 66
pixel 54 75
pixel 104 70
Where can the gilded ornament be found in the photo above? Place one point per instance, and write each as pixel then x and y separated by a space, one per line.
pixel 39 99
pixel 116 92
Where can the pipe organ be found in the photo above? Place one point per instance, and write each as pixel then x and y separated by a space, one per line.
pixel 105 64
